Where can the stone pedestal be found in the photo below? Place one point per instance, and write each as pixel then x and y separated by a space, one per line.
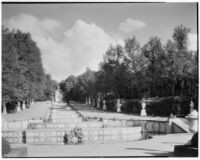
pixel 4 109
pixel 23 105
pixel 193 119
pixel 118 105
pixel 18 107
pixel 143 111
pixel 104 105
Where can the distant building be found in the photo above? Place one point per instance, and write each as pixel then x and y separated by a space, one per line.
pixel 58 95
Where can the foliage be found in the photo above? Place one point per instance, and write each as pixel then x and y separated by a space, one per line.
pixel 23 76
pixel 133 72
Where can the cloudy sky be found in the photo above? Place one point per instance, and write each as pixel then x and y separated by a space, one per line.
pixel 72 37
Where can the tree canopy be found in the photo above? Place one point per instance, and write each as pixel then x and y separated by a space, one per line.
pixel 135 71
pixel 23 76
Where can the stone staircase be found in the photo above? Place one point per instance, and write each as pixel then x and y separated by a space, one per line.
pixel 63 120
pixel 180 125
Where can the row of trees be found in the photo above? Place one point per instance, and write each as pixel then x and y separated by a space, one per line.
pixel 132 71
pixel 23 76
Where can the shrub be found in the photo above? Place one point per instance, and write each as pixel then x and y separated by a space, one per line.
pixel 161 107
pixel 131 106
pixel 5 147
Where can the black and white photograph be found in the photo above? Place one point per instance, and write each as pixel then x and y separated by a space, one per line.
pixel 99 79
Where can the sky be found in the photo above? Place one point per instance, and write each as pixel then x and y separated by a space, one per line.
pixel 74 36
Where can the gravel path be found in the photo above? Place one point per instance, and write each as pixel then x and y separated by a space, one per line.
pixel 38 110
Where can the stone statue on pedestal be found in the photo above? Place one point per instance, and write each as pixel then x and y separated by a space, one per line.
pixel 193 119
pixel 23 105
pixel 143 111
pixel 18 107
pixel 191 106
pixel 4 109
pixel 89 101
pixel 98 103
pixel 118 105
pixel 104 104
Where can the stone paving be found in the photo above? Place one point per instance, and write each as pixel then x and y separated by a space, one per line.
pixel 157 146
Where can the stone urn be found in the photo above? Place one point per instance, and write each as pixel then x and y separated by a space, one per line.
pixel 118 105
pixel 143 111
pixel 193 119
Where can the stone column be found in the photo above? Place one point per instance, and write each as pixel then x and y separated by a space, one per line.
pixel 118 105
pixel 18 107
pixel 143 111
pixel 193 119
pixel 104 105
pixel 4 109
pixel 23 105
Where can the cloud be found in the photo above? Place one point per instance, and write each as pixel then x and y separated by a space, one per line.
pixel 81 46
pixel 131 25
pixel 192 42
pixel 38 27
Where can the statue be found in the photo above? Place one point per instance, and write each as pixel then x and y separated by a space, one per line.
pixel 191 106
pixel 89 101
pixel 98 103
pixel 118 105
pixel 143 111
pixel 58 95
pixel 104 104
pixel 23 105
pixel 4 109
pixel 18 107
pixel 193 119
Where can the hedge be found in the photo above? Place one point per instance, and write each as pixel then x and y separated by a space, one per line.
pixel 164 106
pixel 5 147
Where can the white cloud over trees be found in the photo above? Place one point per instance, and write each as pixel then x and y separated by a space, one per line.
pixel 83 44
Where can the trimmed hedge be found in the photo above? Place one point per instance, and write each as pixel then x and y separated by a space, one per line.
pixel 164 106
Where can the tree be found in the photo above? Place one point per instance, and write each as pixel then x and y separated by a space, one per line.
pixel 154 53
pixel 23 76
pixel 180 37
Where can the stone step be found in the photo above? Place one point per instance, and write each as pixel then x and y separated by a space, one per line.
pixel 66 120
pixel 182 123
pixel 66 125
pixel 91 135
pixel 64 116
